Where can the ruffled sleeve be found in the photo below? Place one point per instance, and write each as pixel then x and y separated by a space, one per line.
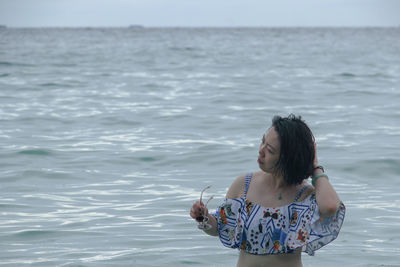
pixel 230 217
pixel 321 230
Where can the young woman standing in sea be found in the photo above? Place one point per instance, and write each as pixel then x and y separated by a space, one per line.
pixel 274 214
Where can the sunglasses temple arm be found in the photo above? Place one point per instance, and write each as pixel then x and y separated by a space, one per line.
pixel 202 191
pixel 201 196
pixel 209 200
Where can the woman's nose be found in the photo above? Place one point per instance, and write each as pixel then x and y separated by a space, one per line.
pixel 261 150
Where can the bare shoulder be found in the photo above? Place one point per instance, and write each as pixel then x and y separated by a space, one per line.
pixel 236 189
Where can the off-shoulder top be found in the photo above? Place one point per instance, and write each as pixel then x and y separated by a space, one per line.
pixel 259 230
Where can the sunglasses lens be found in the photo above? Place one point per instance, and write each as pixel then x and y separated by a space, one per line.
pixel 200 218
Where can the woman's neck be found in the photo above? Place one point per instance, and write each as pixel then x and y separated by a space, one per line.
pixel 278 182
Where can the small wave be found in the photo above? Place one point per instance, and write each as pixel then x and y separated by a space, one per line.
pixel 36 152
pixel 56 85
pixel 186 48
pixel 36 233
pixel 366 75
pixel 139 74
pixel 12 206
pixel 347 74
pixel 40 233
pixel 50 84
pixel 147 159
pixel 202 75
pixel 8 64
pixel 64 65
pixel 355 92
pixel 43 173
pixel 5 63
pixel 373 168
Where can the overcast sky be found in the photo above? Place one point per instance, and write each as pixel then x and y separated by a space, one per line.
pixel 73 13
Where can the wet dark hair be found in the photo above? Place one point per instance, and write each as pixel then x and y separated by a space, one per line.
pixel 297 153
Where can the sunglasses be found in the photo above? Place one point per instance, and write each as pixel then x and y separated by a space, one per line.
pixel 203 225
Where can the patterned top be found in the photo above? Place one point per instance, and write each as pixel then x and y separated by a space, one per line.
pixel 259 230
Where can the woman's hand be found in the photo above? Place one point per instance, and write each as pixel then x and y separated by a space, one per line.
pixel 198 211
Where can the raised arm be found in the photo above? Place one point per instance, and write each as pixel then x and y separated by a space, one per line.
pixel 326 196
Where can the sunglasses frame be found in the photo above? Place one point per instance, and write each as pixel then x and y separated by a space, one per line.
pixel 203 224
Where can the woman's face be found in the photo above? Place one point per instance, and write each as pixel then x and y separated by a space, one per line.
pixel 269 151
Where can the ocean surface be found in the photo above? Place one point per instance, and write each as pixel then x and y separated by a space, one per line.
pixel 108 136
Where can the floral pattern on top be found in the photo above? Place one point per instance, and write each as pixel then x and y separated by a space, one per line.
pixel 259 230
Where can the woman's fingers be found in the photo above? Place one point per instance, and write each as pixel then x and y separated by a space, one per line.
pixel 195 210
pixel 198 211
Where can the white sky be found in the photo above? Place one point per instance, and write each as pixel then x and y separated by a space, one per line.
pixel 73 13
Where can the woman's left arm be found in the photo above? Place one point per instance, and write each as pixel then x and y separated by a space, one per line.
pixel 327 199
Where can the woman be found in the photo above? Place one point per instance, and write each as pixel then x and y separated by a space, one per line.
pixel 273 215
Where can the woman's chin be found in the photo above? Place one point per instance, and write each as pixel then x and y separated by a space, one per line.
pixel 265 169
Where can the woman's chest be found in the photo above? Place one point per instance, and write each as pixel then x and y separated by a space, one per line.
pixel 267 230
pixel 269 198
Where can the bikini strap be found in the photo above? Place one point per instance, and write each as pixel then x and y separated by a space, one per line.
pixel 301 192
pixel 247 183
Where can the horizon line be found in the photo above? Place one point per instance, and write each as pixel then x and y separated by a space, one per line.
pixel 138 26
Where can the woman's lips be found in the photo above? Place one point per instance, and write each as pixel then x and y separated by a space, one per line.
pixel 259 161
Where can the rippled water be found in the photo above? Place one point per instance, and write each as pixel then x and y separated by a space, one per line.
pixel 108 136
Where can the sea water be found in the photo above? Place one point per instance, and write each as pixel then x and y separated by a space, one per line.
pixel 108 136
